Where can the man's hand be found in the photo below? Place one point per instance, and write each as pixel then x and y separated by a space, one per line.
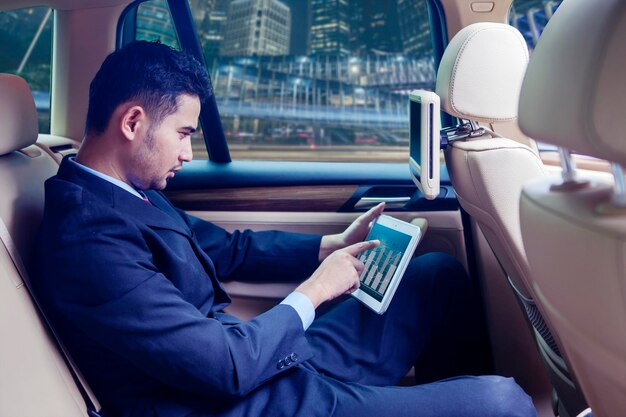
pixel 337 275
pixel 356 232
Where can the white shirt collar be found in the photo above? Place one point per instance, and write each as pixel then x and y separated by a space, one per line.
pixel 105 177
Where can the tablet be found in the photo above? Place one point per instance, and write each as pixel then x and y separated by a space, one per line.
pixel 386 263
pixel 425 141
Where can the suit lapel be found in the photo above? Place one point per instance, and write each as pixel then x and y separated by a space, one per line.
pixel 161 203
pixel 157 214
pixel 160 214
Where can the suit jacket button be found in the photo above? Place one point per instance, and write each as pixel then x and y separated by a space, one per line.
pixel 281 364
pixel 288 361
pixel 293 357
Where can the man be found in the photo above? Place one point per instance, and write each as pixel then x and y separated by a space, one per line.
pixel 133 284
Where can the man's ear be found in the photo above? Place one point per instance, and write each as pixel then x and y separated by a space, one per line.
pixel 133 121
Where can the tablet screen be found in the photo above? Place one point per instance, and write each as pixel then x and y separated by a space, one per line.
pixel 415 130
pixel 425 141
pixel 382 261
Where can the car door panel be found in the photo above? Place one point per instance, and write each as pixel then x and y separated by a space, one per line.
pixel 444 234
pixel 309 197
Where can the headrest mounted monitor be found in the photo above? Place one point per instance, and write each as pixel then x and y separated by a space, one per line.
pixel 424 142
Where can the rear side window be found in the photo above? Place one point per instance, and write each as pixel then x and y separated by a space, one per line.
pixel 318 80
pixel 530 18
pixel 154 23
pixel 309 80
pixel 25 50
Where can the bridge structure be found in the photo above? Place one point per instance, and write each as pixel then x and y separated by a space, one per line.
pixel 320 90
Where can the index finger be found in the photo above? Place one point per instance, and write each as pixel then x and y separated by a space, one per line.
pixel 359 247
pixel 371 215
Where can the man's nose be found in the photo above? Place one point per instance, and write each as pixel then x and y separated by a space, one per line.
pixel 186 153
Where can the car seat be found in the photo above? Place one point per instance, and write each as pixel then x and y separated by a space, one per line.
pixel 479 81
pixel 573 228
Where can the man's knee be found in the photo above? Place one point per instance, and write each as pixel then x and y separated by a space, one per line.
pixel 437 269
pixel 442 265
pixel 502 397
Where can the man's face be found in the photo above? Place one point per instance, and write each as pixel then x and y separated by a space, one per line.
pixel 165 147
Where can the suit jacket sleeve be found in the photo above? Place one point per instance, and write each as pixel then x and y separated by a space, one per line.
pixel 113 293
pixel 270 256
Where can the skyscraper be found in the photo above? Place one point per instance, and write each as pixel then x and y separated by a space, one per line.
pixel 257 27
pixel 212 26
pixel 299 26
pixel 380 19
pixel 200 9
pixel 330 27
pixel 154 23
pixel 415 27
pixel 358 41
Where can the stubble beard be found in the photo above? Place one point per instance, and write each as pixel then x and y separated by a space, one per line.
pixel 144 162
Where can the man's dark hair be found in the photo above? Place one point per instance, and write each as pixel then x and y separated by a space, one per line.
pixel 151 73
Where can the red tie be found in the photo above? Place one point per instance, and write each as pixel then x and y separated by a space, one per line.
pixel 144 198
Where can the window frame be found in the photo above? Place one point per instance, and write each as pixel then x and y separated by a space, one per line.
pixel 185 29
pixel 214 138
pixel 49 18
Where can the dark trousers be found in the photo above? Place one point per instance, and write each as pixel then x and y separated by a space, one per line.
pixel 433 323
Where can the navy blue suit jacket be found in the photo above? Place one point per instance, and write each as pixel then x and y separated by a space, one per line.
pixel 133 289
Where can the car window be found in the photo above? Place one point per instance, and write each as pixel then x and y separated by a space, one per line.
pixel 530 18
pixel 25 50
pixel 318 80
pixel 154 23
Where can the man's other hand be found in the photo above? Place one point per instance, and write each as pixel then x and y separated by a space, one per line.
pixel 338 274
pixel 356 232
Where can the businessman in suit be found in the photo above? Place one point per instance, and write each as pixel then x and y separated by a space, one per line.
pixel 132 284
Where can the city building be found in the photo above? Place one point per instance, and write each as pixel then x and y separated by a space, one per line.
pixel 154 23
pixel 299 26
pixel 212 25
pixel 380 19
pixel 329 32
pixel 257 28
pixel 358 41
pixel 200 9
pixel 414 27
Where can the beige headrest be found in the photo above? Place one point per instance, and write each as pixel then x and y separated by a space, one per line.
pixel 18 115
pixel 574 93
pixel 481 73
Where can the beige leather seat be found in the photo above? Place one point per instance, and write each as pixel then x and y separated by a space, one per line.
pixel 574 96
pixel 34 378
pixel 479 79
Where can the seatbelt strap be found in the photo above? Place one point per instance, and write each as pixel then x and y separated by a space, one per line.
pixel 93 405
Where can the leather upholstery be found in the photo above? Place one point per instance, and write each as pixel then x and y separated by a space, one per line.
pixel 481 72
pixel 34 380
pixel 18 113
pixel 482 69
pixel 577 68
pixel 578 258
pixel 488 175
pixel 575 237
pixel 480 79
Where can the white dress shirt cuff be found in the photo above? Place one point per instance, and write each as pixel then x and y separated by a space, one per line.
pixel 303 307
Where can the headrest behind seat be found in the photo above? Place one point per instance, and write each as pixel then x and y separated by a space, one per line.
pixel 18 115
pixel 481 73
pixel 34 379
pixel 574 94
